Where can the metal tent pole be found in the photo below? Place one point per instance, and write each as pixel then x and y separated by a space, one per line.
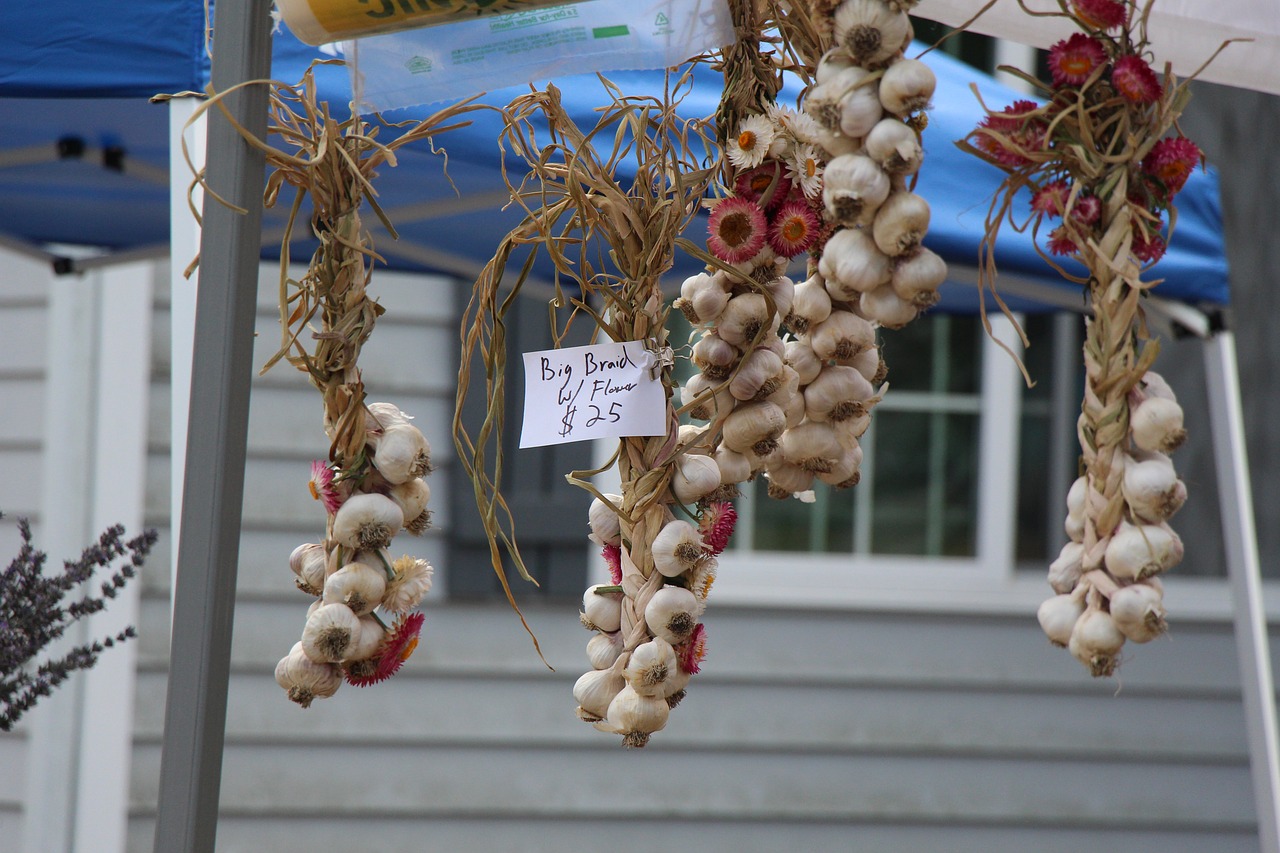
pixel 204 603
pixel 1244 570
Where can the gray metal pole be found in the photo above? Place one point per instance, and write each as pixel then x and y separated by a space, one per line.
pixel 1244 569
pixel 204 603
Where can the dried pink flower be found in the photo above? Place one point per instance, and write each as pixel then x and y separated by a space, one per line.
pixel 1061 242
pixel 1171 161
pixel 396 649
pixel 613 559
pixel 323 488
pixel 1100 14
pixel 1087 210
pixel 1073 59
pixel 766 184
pixel 793 230
pixel 736 230
pixel 716 526
pixel 1148 248
pixel 690 653
pixel 1133 78
pixel 1051 199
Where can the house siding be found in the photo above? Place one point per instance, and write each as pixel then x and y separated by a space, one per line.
pixel 24 309
pixel 850 729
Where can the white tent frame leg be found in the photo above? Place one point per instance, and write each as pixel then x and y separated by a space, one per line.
pixel 1244 570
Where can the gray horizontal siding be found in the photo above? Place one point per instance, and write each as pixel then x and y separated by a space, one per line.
pixel 845 731
pixel 24 350
pixel 790 731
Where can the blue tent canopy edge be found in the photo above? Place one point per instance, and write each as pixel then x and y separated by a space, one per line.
pixel 93 91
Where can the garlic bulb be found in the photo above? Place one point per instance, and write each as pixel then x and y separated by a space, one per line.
pixel 714 356
pixel 870 31
pixel 786 479
pixel 385 415
pixel 605 527
pixel 672 614
pixel 330 633
pixel 1064 572
pixel 887 308
pixel 368 641
pixel 894 147
pixel 734 467
pixel 845 473
pixel 851 264
pixel 634 716
pixel 706 402
pixel 758 376
pixel 788 388
pixel 1076 496
pixel 603 649
pixel 825 99
pixel 813 446
pixel 746 315
pixel 401 453
pixel 1155 385
pixel 900 225
pixel 841 336
pixel 650 666
pixel 1151 486
pixel 782 291
pixel 702 298
pixel 696 476
pixel 838 393
pixel 917 277
pixel 1138 550
pixel 305 679
pixel 907 86
pixel 853 188
pixel 860 109
pixel 801 358
pixel 308 563
pixel 831 64
pixel 677 548
pixel 358 586
pixel 754 427
pixel 869 363
pixel 1096 641
pixel 367 522
pixel 1156 424
pixel 1058 617
pixel 696 440
pixel 810 304
pixel 595 690
pixel 601 611
pixel 412 497
pixel 1138 611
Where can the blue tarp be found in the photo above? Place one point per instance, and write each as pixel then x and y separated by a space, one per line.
pixel 73 70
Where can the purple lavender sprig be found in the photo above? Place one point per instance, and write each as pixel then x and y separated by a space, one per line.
pixel 33 615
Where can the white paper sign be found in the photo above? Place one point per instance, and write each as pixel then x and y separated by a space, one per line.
pixel 600 391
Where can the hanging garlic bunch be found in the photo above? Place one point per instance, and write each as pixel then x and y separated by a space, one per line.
pixel 1112 583
pixel 647 637
pixel 872 271
pixel 351 573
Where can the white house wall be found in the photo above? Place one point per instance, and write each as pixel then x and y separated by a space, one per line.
pixel 840 729
pixel 24 302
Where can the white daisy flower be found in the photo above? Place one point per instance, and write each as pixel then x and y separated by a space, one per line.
pixel 804 128
pixel 805 170
pixel 748 149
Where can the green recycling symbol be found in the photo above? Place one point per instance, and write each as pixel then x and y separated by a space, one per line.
pixel 661 20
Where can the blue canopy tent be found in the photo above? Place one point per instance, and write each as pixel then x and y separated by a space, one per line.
pixel 84 161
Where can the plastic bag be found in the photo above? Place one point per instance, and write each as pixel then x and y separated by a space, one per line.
pixel 461 59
